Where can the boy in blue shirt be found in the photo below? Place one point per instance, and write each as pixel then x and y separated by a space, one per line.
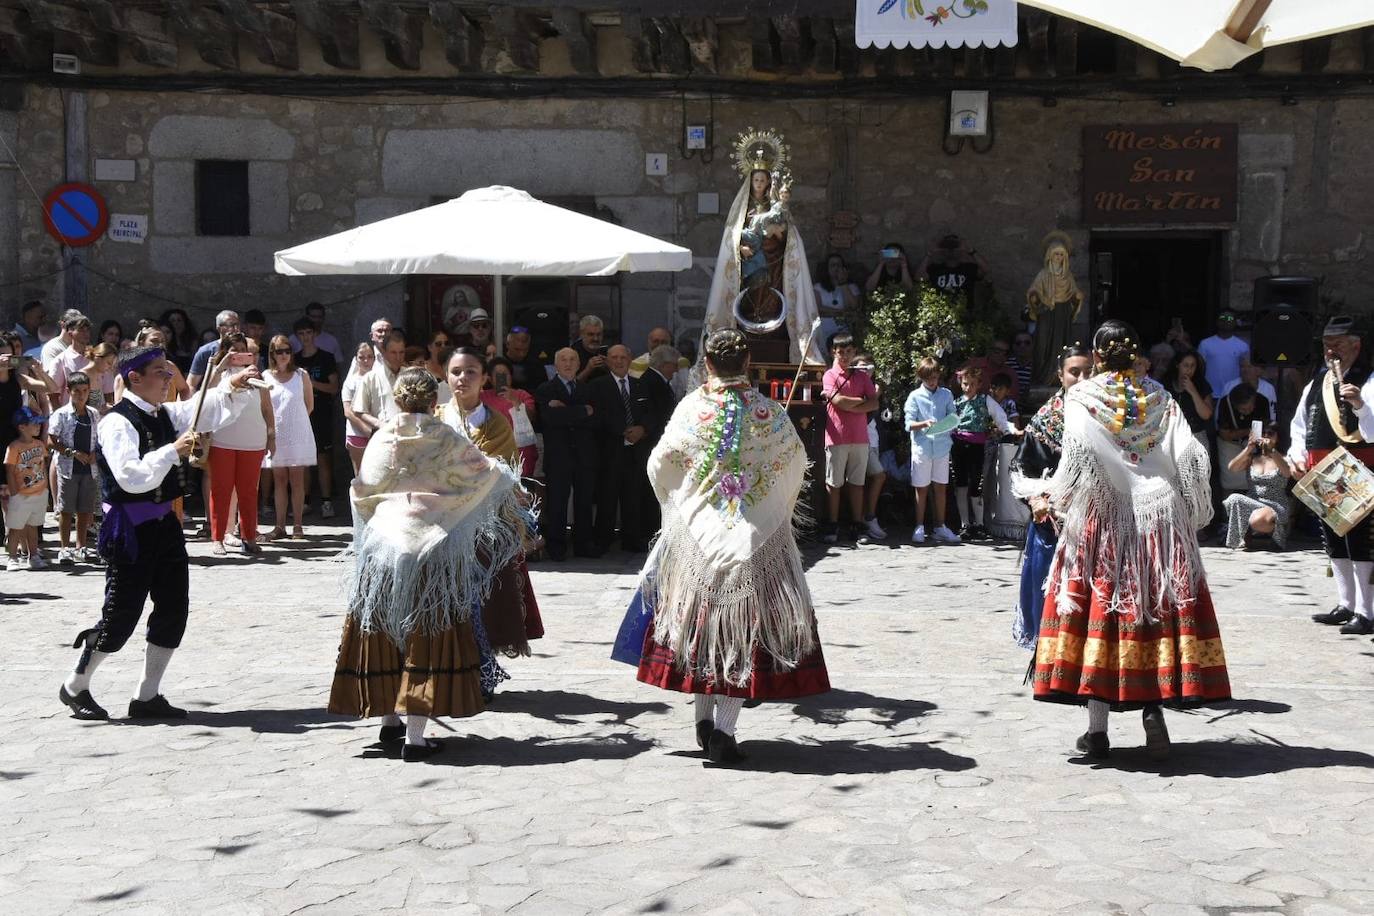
pixel 925 406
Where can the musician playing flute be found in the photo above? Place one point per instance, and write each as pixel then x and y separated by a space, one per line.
pixel 144 445
pixel 1337 409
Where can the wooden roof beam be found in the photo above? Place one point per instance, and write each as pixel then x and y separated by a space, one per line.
pixel 643 38
pixel 215 40
pixel 581 38
pixel 673 54
pixel 463 37
pixel 273 35
pixel 22 41
pixel 1316 54
pixel 74 32
pixel 401 30
pixel 519 46
pixel 335 28
pixel 792 43
pixel 703 42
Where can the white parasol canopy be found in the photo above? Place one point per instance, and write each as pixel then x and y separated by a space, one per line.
pixel 1215 34
pixel 495 231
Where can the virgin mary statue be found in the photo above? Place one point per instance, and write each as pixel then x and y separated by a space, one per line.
pixel 762 284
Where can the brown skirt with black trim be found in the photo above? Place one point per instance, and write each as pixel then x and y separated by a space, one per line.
pixel 437 676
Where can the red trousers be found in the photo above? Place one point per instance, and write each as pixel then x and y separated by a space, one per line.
pixel 232 470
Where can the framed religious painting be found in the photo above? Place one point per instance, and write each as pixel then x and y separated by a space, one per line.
pixel 453 298
pixel 1339 489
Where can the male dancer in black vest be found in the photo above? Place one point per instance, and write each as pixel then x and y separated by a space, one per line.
pixel 144 444
pixel 1340 412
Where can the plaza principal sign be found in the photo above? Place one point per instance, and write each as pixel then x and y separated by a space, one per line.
pixel 1159 173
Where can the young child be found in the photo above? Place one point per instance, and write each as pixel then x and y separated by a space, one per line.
pixel 25 463
pixel 925 406
pixel 979 414
pixel 72 435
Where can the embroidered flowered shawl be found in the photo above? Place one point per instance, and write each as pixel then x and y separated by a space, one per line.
pixel 1131 498
pixel 725 574
pixel 436 521
pixel 1047 426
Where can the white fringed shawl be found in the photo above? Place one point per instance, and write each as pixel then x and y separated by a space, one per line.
pixel 436 521
pixel 1131 503
pixel 725 575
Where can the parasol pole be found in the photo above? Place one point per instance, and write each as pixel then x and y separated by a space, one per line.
pixel 801 366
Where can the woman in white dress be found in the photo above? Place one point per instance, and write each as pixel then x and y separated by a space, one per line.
pixel 292 401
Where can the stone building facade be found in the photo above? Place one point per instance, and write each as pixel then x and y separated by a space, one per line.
pixel 318 165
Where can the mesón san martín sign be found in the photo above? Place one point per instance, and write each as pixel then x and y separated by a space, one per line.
pixel 1159 173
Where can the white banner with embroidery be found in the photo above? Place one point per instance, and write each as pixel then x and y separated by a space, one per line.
pixel 922 23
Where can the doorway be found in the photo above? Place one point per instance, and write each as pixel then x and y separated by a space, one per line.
pixel 1152 279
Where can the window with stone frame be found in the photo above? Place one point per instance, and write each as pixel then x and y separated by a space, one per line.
pixel 222 197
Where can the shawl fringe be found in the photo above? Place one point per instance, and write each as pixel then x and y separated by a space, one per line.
pixel 1142 543
pixel 710 617
pixel 397 592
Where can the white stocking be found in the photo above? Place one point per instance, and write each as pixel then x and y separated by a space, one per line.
pixel 961 499
pixel 1097 715
pixel 415 729
pixel 1364 592
pixel 391 720
pixel 76 683
pixel 727 713
pixel 154 666
pixel 1343 571
pixel 705 705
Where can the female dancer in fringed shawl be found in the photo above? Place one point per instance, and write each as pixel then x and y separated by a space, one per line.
pixel 1037 458
pixel 438 522
pixel 723 610
pixel 1128 620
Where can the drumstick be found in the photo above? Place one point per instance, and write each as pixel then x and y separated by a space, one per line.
pixel 806 347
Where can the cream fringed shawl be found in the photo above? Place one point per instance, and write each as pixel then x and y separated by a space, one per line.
pixel 725 575
pixel 436 521
pixel 1131 502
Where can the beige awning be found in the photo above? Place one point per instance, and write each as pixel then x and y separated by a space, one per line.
pixel 1214 34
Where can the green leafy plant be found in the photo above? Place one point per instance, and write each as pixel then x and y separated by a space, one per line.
pixel 904 328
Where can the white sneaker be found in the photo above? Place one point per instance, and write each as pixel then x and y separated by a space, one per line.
pixel 36 561
pixel 875 530
pixel 945 536
pixel 919 535
pixel 66 556
pixel 15 564
pixel 89 555
pixel 326 509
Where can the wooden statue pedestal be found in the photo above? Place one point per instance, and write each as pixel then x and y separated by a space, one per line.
pixel 775 379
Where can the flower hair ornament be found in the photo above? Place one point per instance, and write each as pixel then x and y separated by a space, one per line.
pixel 1123 347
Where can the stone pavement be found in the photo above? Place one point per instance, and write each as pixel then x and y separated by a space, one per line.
pixel 927 781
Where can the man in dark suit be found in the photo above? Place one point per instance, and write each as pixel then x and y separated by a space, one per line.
pixel 621 415
pixel 570 459
pixel 664 362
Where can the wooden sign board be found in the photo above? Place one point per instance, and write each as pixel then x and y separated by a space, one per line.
pixel 1159 173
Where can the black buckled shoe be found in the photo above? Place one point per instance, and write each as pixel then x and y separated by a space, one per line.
pixel 1358 626
pixel 412 753
pixel 156 708
pixel 1094 745
pixel 723 750
pixel 83 705
pixel 704 729
pixel 389 733
pixel 1156 733
pixel 1335 617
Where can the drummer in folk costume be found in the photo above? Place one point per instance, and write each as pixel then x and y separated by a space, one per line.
pixel 1337 409
pixel 1128 621
pixel 144 444
pixel 723 610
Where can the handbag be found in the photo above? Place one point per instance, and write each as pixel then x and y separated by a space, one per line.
pixel 523 428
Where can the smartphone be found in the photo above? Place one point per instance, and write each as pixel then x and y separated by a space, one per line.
pixel 243 359
pixel 890 254
pixel 1257 430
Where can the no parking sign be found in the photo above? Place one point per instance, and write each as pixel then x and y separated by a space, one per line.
pixel 75 214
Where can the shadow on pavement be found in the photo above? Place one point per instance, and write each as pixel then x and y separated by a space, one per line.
pixel 26 597
pixel 261 721
pixel 1235 707
pixel 564 707
pixel 1231 759
pixel 832 708
pixel 472 751
pixel 832 758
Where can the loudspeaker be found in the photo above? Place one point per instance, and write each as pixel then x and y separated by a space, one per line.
pixel 1296 292
pixel 1282 336
pixel 1284 308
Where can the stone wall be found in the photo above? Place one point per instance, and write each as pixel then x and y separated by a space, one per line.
pixel 322 166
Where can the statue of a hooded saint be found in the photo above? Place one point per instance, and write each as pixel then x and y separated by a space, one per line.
pixel 1054 302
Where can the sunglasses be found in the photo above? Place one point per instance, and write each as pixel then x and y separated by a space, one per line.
pixel 281 351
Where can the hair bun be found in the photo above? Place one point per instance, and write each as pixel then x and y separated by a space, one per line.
pixel 726 343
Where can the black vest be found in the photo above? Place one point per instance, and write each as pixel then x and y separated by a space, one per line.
pixel 153 433
pixel 1320 435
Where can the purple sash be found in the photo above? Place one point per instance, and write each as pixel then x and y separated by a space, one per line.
pixel 117 528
